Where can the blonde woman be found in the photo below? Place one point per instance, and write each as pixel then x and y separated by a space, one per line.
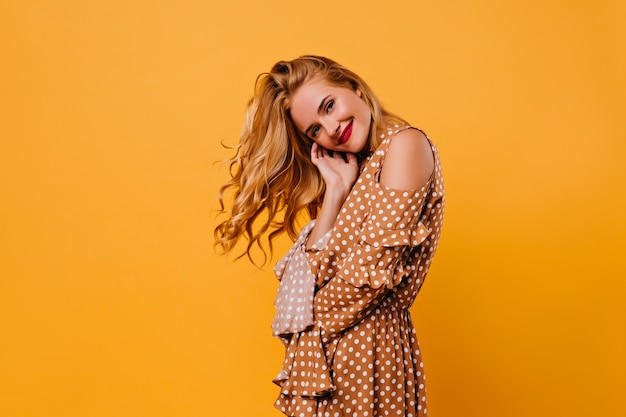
pixel 318 143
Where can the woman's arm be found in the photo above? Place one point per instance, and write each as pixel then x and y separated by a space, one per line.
pixel 376 263
pixel 339 175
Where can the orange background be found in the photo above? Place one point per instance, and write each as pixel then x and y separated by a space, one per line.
pixel 112 302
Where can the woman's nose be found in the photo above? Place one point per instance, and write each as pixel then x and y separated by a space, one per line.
pixel 331 127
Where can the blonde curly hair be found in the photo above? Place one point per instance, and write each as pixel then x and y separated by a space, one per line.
pixel 271 171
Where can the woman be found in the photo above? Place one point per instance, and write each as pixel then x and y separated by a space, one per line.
pixel 317 141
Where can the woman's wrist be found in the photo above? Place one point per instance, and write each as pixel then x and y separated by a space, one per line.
pixel 336 194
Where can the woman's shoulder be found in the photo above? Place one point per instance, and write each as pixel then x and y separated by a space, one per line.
pixel 409 159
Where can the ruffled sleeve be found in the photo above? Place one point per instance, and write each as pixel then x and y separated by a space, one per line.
pixel 377 261
pixel 390 233
pixel 305 372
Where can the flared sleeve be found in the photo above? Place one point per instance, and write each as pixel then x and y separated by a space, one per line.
pixel 377 260
pixel 305 371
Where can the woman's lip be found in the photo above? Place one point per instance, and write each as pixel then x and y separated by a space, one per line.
pixel 345 135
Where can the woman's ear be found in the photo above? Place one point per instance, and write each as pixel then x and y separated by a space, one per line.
pixel 358 92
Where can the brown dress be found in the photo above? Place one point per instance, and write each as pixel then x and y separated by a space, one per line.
pixel 343 306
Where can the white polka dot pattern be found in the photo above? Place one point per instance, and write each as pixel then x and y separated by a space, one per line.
pixel 360 357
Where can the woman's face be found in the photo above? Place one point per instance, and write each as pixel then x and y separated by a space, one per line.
pixel 334 117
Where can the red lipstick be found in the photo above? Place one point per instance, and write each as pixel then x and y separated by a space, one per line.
pixel 345 135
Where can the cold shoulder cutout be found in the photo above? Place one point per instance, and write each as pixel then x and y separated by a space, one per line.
pixel 409 162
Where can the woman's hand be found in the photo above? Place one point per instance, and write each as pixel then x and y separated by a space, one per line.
pixel 339 174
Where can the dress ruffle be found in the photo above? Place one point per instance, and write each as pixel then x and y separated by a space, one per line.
pixel 390 247
pixel 305 373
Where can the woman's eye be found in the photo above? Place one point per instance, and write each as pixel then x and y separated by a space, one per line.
pixel 330 105
pixel 315 131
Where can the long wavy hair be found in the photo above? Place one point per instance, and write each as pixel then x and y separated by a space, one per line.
pixel 273 181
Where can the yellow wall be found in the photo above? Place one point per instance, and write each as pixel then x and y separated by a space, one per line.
pixel 112 302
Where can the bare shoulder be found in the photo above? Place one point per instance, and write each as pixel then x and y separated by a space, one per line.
pixel 409 162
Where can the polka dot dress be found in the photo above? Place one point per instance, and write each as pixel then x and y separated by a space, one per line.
pixel 353 350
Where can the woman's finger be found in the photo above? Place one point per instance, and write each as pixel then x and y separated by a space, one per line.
pixel 351 159
pixel 315 151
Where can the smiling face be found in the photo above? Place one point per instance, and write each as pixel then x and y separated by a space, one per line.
pixel 334 117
